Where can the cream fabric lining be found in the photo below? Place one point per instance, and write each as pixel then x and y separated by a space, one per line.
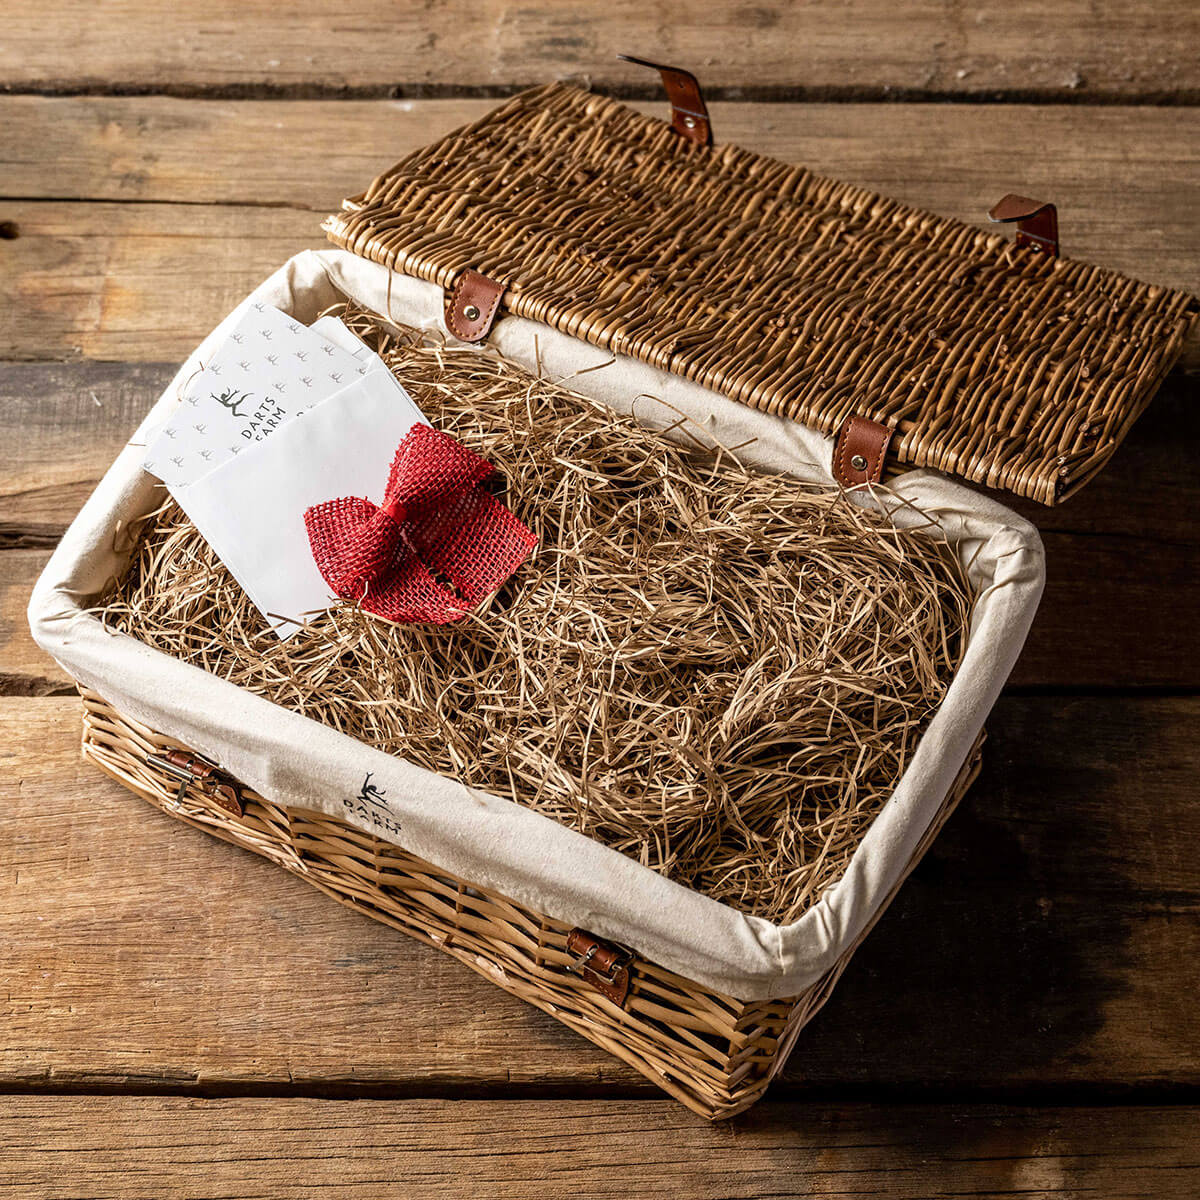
pixel 493 841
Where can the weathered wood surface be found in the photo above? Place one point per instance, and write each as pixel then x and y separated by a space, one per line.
pixel 1050 939
pixel 203 200
pixel 1114 549
pixel 1072 49
pixel 1046 949
pixel 153 1148
pixel 1132 166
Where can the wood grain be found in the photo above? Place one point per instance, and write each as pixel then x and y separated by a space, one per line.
pixel 1050 939
pixel 151 1148
pixel 61 426
pixel 202 200
pixel 1070 49
pixel 1121 163
pixel 134 281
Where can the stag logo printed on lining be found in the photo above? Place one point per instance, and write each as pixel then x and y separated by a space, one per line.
pixel 369 805
pixel 369 793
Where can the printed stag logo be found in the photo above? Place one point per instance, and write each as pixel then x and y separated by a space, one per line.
pixel 232 399
pixel 369 793
pixel 369 806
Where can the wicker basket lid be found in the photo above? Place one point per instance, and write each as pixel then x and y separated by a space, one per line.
pixel 781 289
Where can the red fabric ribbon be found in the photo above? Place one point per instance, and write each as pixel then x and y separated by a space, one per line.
pixel 435 523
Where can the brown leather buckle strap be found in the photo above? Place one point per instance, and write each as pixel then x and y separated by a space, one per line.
pixel 604 965
pixel 689 113
pixel 192 769
pixel 1037 222
pixel 860 451
pixel 471 307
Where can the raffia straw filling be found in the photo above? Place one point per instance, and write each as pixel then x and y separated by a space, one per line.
pixel 719 673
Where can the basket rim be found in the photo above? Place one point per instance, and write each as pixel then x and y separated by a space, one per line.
pixel 522 853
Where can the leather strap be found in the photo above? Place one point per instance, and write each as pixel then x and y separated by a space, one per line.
pixel 471 307
pixel 603 965
pixel 191 768
pixel 689 113
pixel 860 451
pixel 1037 222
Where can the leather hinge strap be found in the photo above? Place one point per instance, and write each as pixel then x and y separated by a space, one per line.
pixel 192 769
pixel 470 307
pixel 860 451
pixel 604 965
pixel 689 113
pixel 1037 222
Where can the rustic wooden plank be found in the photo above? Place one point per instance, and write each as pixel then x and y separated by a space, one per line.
pixel 1128 543
pixel 930 47
pixel 61 426
pixel 1050 939
pixel 148 1148
pixel 24 669
pixel 142 280
pixel 134 281
pixel 1123 163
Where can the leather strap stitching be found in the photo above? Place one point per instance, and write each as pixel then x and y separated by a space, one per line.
pixel 842 472
pixel 485 318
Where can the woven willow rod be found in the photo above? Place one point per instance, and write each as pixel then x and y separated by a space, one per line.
pixel 790 292
pixel 713 1052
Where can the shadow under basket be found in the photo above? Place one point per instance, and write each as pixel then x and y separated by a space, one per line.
pixel 712 1052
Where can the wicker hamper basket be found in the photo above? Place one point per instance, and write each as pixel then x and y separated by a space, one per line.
pixel 572 234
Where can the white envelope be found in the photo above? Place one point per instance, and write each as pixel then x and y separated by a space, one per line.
pixel 269 370
pixel 251 509
pixel 335 331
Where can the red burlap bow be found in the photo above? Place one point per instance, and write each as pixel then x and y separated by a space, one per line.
pixel 435 523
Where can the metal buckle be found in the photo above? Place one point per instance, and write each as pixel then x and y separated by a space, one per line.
pixel 193 769
pixel 621 960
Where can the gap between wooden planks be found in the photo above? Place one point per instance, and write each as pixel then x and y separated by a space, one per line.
pixel 142 221
pixel 1049 940
pixel 149 1148
pixel 1074 49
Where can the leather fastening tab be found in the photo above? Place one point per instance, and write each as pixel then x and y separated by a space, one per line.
pixel 689 113
pixel 191 768
pixel 471 307
pixel 1037 222
pixel 860 451
pixel 603 965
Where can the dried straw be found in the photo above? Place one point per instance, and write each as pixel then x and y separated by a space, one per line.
pixel 717 672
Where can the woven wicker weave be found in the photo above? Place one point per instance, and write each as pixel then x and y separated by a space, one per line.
pixel 781 289
pixel 714 1053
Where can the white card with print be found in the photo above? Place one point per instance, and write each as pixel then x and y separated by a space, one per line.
pixel 336 331
pixel 271 369
pixel 251 509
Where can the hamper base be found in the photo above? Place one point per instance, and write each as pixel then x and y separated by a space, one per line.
pixel 714 1053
